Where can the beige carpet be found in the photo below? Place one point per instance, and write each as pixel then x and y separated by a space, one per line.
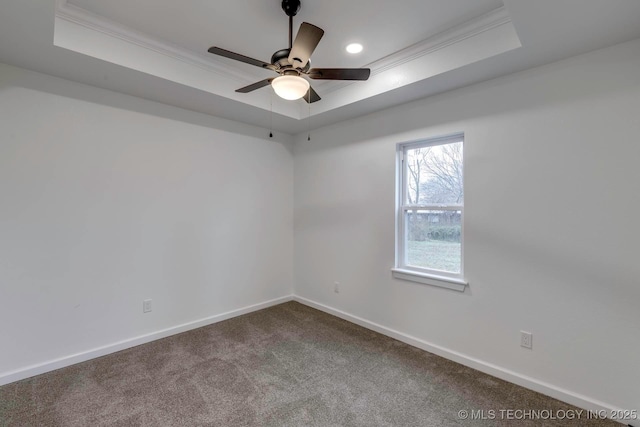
pixel 288 365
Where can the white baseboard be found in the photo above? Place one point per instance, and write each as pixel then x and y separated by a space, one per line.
pixel 41 368
pixel 547 389
pixel 564 395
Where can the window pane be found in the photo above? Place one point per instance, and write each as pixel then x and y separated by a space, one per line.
pixel 433 240
pixel 434 175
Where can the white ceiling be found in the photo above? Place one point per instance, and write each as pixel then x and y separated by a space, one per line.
pixel 259 28
pixel 399 39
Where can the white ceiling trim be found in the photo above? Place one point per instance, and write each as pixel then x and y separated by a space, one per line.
pixel 444 39
pixel 83 32
pixel 466 30
pixel 77 15
pixel 90 34
pixel 499 39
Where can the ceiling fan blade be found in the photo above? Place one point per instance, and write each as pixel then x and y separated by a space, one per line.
pixel 311 96
pixel 305 43
pixel 254 86
pixel 339 73
pixel 238 57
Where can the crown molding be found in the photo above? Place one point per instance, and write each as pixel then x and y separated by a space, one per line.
pixel 77 15
pixel 439 41
pixel 86 32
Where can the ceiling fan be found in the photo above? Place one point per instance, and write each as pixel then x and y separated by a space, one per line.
pixel 293 63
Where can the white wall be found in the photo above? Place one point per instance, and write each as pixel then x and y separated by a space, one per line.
pixel 107 200
pixel 551 244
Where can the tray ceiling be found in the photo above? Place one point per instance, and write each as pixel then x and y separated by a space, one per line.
pixel 403 44
pixel 156 49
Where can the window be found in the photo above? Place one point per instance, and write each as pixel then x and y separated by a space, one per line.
pixel 430 209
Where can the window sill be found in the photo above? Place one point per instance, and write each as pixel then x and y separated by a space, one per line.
pixel 430 279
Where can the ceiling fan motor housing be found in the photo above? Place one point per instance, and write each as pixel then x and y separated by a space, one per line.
pixel 281 60
pixel 291 7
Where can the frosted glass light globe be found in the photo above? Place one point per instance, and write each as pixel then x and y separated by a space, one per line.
pixel 290 87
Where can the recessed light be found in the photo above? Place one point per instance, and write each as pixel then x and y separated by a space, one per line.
pixel 354 48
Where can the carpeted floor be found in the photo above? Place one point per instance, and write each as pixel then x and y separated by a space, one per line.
pixel 288 365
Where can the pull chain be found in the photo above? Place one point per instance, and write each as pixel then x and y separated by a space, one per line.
pixel 271 117
pixel 309 119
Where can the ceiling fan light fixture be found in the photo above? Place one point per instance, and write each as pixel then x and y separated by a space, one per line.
pixel 290 87
pixel 292 62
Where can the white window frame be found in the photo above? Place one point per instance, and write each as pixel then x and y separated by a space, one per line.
pixel 413 273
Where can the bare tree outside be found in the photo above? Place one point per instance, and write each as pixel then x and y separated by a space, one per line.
pixel 435 179
pixel 416 166
pixel 434 175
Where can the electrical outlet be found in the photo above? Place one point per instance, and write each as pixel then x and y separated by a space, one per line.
pixel 336 287
pixel 146 306
pixel 526 339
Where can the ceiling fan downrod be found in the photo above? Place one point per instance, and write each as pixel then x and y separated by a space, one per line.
pixel 291 8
